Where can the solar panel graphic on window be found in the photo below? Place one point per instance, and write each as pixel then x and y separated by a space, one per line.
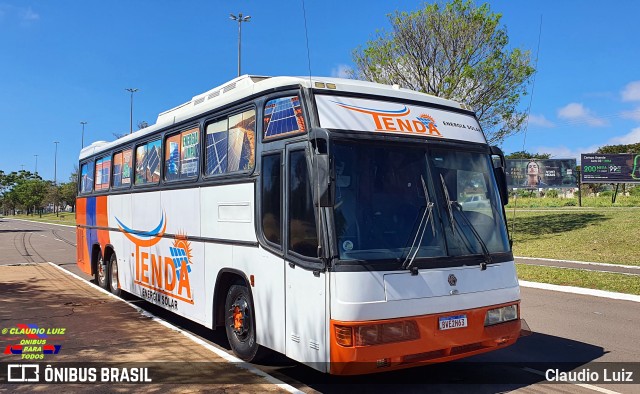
pixel 173 162
pixel 283 116
pixel 153 164
pixel 217 144
pixel 117 175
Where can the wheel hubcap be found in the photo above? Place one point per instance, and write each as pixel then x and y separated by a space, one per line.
pixel 114 275
pixel 101 272
pixel 239 313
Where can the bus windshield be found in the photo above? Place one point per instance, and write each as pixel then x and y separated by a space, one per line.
pixel 393 202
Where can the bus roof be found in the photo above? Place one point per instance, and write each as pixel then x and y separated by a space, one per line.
pixel 247 85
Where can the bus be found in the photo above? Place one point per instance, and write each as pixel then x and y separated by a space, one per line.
pixel 330 220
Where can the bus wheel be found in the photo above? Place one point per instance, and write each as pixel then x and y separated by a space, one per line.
pixel 101 272
pixel 114 283
pixel 240 324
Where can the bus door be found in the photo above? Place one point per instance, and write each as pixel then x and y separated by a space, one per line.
pixel 306 321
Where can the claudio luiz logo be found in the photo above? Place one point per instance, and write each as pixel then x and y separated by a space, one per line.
pixel 397 121
pixel 168 275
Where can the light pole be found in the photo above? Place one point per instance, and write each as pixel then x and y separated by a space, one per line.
pixel 239 19
pixel 132 91
pixel 55 164
pixel 55 177
pixel 83 123
pixel 36 164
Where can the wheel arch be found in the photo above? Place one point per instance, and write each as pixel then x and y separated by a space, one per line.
pixel 95 252
pixel 225 279
pixel 109 250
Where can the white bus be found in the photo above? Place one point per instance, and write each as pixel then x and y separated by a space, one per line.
pixel 325 219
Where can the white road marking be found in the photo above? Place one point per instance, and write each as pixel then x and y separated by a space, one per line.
pixel 33 221
pixel 581 290
pixel 583 385
pixel 585 269
pixel 637 267
pixel 232 359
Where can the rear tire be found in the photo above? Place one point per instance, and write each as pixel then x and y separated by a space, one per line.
pixel 114 282
pixel 239 322
pixel 102 273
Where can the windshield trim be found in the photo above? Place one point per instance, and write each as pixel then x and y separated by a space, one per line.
pixel 472 260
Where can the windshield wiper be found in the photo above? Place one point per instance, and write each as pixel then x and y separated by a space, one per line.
pixel 428 212
pixel 452 219
pixel 449 210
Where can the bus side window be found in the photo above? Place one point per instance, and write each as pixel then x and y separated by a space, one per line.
pixel 182 152
pixel 148 157
pixel 271 194
pixel 303 236
pixel 122 168
pixel 86 178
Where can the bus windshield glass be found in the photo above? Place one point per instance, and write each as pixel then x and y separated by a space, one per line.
pixel 396 202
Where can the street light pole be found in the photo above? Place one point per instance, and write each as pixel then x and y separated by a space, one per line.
pixel 55 164
pixel 132 91
pixel 83 123
pixel 55 177
pixel 240 19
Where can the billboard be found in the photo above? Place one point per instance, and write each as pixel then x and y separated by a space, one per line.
pixel 610 168
pixel 541 173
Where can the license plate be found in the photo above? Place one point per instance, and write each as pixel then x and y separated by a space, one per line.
pixel 450 322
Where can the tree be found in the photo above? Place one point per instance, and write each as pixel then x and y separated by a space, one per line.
pixel 456 51
pixel 69 190
pixel 629 148
pixel 523 154
pixel 30 194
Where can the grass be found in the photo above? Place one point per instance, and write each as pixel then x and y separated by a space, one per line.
pixel 558 202
pixel 619 283
pixel 599 235
pixel 68 218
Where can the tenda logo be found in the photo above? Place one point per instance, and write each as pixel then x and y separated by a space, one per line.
pixel 398 121
pixel 168 275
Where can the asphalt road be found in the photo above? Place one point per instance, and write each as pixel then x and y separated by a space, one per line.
pixel 570 331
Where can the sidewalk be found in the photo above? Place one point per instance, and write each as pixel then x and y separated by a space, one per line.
pixel 100 331
pixel 581 265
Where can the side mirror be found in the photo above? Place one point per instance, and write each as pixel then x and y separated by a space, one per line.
pixel 500 174
pixel 323 189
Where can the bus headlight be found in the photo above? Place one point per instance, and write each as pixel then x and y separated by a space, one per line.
pixel 501 315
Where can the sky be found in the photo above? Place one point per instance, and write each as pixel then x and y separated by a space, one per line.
pixel 67 61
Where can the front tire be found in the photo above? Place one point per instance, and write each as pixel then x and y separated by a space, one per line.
pixel 114 282
pixel 102 273
pixel 240 324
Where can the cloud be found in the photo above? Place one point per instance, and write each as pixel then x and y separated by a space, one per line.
pixel 29 16
pixel 631 92
pixel 342 71
pixel 563 152
pixel 540 120
pixel 634 114
pixel 578 113
pixel 633 137
pixel 24 15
